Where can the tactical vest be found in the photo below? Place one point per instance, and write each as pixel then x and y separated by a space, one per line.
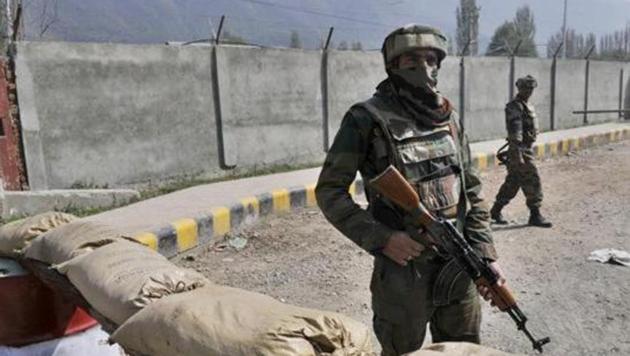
pixel 530 122
pixel 428 157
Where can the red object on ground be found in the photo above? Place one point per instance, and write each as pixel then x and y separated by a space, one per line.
pixel 31 312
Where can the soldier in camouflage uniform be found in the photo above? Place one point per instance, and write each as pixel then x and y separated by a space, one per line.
pixel 409 124
pixel 522 127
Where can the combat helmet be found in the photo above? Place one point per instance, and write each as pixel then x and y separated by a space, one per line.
pixel 413 36
pixel 526 82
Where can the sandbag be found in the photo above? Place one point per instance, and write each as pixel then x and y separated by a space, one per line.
pixel 218 320
pixel 122 277
pixel 458 349
pixel 16 235
pixel 71 240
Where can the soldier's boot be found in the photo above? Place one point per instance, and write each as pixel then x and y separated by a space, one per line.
pixel 536 219
pixel 496 215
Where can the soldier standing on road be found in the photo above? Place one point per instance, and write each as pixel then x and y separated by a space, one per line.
pixel 409 124
pixel 522 128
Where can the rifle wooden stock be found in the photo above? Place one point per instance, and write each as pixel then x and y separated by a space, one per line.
pixel 393 186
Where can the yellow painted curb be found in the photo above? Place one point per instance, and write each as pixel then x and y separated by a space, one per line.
pixel 220 221
pixel 553 148
pixel 482 162
pixel 281 201
pixel 251 203
pixel 576 143
pixel 149 239
pixel 565 145
pixel 186 232
pixel 310 195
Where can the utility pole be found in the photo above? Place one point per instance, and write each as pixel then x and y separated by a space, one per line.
pixel 564 30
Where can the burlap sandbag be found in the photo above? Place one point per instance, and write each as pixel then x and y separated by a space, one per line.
pixel 458 349
pixel 218 320
pixel 18 234
pixel 71 240
pixel 120 278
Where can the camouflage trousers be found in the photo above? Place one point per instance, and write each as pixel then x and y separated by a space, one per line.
pixel 404 302
pixel 521 176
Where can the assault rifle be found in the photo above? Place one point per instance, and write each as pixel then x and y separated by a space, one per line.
pixel 447 240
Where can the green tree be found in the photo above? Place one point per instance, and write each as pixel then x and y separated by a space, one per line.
pixel 295 41
pixel 503 36
pixel 467 14
pixel 510 34
pixel 525 32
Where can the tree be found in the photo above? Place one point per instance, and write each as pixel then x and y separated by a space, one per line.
pixel 467 14
pixel 616 45
pixel 295 41
pixel 508 36
pixel 343 46
pixel 576 45
pixel 503 36
pixel 525 32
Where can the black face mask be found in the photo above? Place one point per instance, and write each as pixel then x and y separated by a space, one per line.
pixel 421 77
pixel 420 81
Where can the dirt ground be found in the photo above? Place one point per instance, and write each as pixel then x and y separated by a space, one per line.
pixel 582 305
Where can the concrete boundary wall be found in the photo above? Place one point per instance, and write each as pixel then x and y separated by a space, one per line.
pixel 570 84
pixel 96 115
pixel 486 93
pixel 352 78
pixel 604 75
pixel 105 114
pixel 271 106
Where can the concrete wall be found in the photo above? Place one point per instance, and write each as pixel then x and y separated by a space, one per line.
pixel 271 105
pixel 105 114
pixel 603 92
pixel 541 70
pixel 487 85
pixel 352 77
pixel 569 92
pixel 448 80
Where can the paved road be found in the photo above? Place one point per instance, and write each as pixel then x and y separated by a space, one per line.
pixel 581 305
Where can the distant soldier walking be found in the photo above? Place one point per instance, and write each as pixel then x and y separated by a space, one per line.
pixel 522 128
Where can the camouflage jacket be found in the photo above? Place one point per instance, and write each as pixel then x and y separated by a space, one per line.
pixel 521 123
pixel 351 152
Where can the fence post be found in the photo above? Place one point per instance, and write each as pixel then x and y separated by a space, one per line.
pixel 554 69
pixel 621 113
pixel 588 74
pixel 513 67
pixel 324 89
pixel 216 95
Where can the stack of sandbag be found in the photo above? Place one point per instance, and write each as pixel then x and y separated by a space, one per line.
pixel 15 236
pixel 458 349
pixel 120 278
pixel 218 320
pixel 115 274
